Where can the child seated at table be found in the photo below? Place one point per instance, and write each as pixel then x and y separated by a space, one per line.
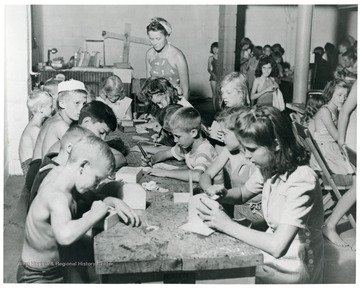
pixel 238 168
pixel 72 136
pixel 71 98
pixel 190 146
pixel 40 104
pixel 51 86
pixel 100 119
pixel 49 221
pixel 113 95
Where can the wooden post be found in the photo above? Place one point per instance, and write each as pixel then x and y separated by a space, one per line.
pixel 302 55
pixel 227 39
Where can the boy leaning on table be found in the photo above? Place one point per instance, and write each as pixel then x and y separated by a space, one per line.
pixel 190 146
pixel 50 218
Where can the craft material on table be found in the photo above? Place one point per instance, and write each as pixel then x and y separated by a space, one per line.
pixel 181 197
pixel 129 174
pixel 139 138
pixel 152 186
pixel 195 223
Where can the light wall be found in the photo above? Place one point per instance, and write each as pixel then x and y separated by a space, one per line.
pixel 16 84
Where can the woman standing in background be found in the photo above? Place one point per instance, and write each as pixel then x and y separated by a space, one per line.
pixel 165 60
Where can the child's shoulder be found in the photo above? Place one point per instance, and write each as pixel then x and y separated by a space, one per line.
pixel 206 147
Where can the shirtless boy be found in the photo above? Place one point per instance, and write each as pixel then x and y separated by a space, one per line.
pixel 40 104
pixel 49 221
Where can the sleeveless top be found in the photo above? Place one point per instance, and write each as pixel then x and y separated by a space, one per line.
pixel 335 158
pixel 323 135
pixel 214 65
pixel 267 98
pixel 160 67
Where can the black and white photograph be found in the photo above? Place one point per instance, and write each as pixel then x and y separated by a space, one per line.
pixel 179 142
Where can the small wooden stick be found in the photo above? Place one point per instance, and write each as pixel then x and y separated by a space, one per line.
pixel 190 184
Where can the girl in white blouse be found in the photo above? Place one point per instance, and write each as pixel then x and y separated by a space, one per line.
pixel 291 199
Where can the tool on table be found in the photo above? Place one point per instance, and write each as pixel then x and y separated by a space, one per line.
pixel 144 154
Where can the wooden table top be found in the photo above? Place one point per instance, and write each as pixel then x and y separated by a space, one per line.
pixel 158 245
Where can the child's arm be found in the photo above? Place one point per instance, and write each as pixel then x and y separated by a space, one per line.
pixel 276 244
pixel 55 148
pixel 179 174
pixel 120 160
pixel 254 94
pixel 161 156
pixel 325 116
pixel 66 230
pixel 205 180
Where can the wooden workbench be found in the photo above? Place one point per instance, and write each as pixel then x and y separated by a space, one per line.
pixel 159 251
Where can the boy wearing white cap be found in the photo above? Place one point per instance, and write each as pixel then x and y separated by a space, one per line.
pixel 71 98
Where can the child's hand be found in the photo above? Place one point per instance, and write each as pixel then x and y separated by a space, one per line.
pixel 146 162
pixel 220 136
pixel 213 214
pixel 126 213
pixel 144 116
pixel 157 172
pixel 99 208
pixel 216 190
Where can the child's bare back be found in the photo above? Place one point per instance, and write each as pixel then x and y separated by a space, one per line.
pixel 52 130
pixel 27 141
pixel 40 248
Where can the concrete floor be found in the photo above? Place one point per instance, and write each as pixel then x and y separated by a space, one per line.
pixel 340 263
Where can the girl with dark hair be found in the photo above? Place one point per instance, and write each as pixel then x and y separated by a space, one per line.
pixel 293 245
pixel 264 84
pixel 213 70
pixel 160 92
pixel 165 60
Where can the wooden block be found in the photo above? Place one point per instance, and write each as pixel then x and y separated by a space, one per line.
pixel 127 123
pixel 134 195
pixel 129 174
pixel 181 197
pixel 215 128
pixel 111 220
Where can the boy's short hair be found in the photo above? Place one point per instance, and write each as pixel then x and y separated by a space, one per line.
pixel 94 150
pixel 36 99
pixel 186 119
pixel 49 84
pixel 99 112
pixel 229 115
pixel 73 135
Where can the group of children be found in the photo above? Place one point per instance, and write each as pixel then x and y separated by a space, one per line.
pixel 74 158
pixel 254 164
